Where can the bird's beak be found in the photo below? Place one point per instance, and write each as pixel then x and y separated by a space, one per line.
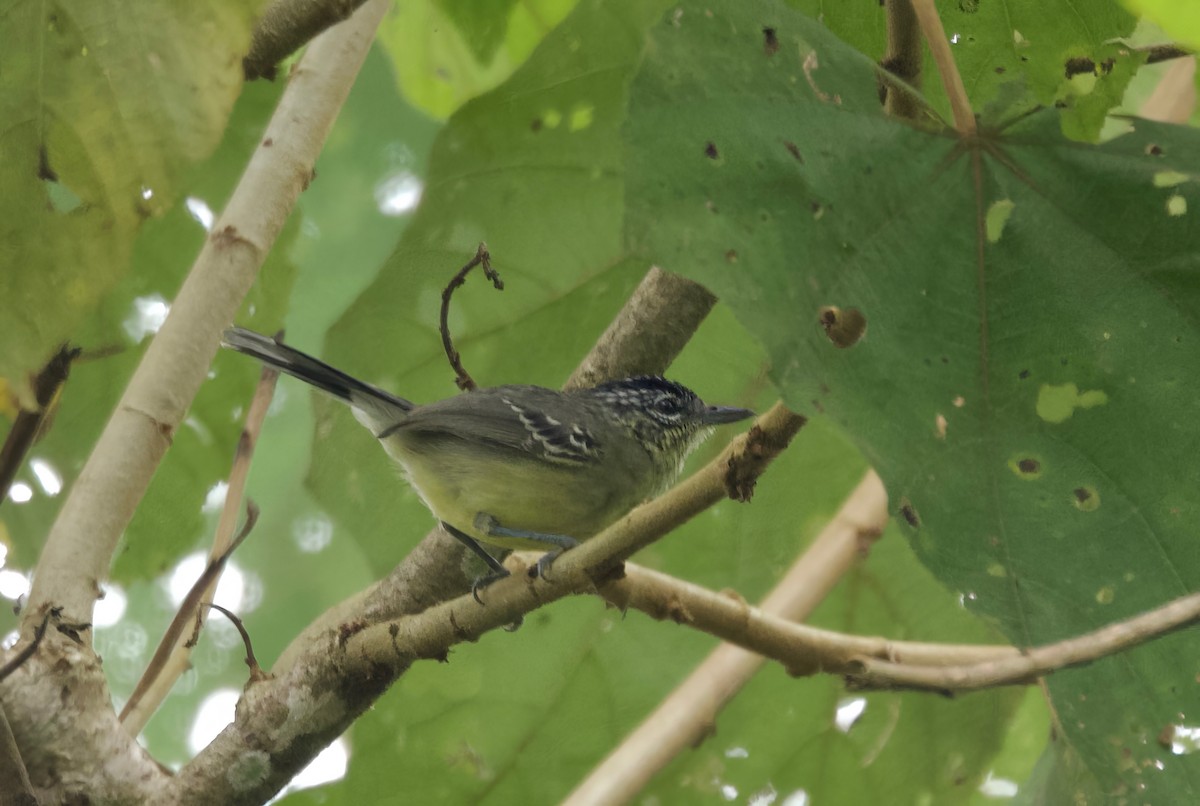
pixel 719 415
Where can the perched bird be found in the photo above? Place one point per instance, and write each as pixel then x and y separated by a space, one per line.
pixel 521 466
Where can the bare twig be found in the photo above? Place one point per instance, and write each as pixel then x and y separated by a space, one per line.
pixel 256 672
pixel 935 37
pixel 1028 665
pixel 157 680
pixel 482 258
pixel 30 422
pixel 149 693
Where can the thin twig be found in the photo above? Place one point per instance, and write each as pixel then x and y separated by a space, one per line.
pixel 935 37
pixel 142 704
pixel 157 680
pixel 484 258
pixel 39 632
pixel 1027 666
pixel 256 672
pixel 30 423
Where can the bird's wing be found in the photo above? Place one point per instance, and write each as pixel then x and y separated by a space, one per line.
pixel 528 419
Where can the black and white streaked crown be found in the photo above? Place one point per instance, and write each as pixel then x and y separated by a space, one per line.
pixel 668 403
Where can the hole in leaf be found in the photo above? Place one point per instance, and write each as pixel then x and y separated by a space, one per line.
pixel 997 217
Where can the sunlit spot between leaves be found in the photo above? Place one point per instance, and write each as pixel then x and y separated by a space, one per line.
pixel 848 712
pixel 330 765
pixel 214 713
pixel 231 590
pixel 20 492
pixel 312 534
pixel 200 211
pixel 997 787
pixel 147 317
pixel 47 477
pixel 110 607
pixel 13 584
pixel 797 798
pixel 398 194
pixel 763 797
pixel 215 499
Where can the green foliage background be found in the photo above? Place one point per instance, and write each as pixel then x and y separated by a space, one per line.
pixel 576 146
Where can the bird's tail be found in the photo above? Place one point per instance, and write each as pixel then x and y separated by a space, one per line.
pixel 360 395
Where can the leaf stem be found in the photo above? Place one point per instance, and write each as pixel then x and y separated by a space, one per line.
pixel 935 36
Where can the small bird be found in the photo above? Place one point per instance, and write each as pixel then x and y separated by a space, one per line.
pixel 521 466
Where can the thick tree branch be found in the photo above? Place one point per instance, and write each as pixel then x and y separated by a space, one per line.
pixel 80 546
pixel 75 746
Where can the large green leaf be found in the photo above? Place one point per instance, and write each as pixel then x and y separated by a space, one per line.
pixel 102 110
pixel 1030 308
pixel 1059 51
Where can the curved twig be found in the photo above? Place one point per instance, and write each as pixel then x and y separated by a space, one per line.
pixel 482 258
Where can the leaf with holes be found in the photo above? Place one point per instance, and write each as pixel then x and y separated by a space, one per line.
pixel 1030 314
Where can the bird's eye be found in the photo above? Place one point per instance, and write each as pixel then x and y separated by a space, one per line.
pixel 664 404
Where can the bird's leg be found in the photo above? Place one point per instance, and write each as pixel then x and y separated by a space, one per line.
pixel 557 543
pixel 498 570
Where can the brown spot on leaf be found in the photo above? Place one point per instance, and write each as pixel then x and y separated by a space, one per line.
pixel 1023 374
pixel 731 255
pixel 535 125
pixel 909 513
pixel 770 41
pixel 1079 65
pixel 794 150
pixel 843 327
pixel 1029 465
pixel 710 150
pixel 1153 150
pixel 268 142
